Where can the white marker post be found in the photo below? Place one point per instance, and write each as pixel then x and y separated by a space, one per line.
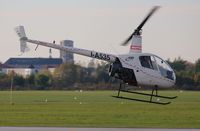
pixel 11 88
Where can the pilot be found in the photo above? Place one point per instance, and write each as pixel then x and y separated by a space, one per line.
pixel 145 61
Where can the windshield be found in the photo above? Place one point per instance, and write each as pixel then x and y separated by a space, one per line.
pixel 164 68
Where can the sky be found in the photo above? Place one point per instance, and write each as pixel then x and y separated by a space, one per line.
pixel 101 25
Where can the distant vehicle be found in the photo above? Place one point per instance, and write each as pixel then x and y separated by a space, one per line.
pixel 134 68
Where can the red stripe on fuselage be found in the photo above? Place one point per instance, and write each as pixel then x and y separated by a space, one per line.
pixel 135 47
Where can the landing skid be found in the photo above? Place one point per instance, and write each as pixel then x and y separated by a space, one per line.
pixel 140 100
pixel 144 94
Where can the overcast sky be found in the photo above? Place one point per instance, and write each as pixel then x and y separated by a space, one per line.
pixel 101 25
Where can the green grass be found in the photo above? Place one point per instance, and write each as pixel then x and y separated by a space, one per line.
pixel 97 109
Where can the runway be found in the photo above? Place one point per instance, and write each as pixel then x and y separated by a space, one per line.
pixel 87 129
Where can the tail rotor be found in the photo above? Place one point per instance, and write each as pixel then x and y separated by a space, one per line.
pixel 23 39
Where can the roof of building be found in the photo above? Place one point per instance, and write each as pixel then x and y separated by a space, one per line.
pixel 32 62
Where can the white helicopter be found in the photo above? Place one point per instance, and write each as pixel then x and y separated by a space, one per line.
pixel 135 68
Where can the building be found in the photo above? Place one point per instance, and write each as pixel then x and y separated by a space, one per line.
pixel 66 56
pixel 28 66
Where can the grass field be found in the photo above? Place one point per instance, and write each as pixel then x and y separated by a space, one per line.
pixel 97 109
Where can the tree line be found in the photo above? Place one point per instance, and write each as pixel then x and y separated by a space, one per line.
pixel 187 73
pixel 66 76
pixel 95 76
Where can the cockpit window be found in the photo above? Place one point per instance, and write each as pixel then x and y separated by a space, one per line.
pixel 164 68
pixel 148 62
pixel 153 61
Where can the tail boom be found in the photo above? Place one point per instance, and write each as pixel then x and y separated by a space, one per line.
pixel 84 52
pixel 98 55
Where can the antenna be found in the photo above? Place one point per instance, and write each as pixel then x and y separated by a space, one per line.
pixel 50 53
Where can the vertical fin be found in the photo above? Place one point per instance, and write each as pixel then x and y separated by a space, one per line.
pixel 22 35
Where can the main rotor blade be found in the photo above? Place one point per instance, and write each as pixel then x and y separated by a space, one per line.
pixel 127 40
pixel 137 30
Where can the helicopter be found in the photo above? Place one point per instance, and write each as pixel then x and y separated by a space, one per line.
pixel 133 69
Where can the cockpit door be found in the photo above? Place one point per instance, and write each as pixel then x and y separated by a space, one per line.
pixel 149 72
